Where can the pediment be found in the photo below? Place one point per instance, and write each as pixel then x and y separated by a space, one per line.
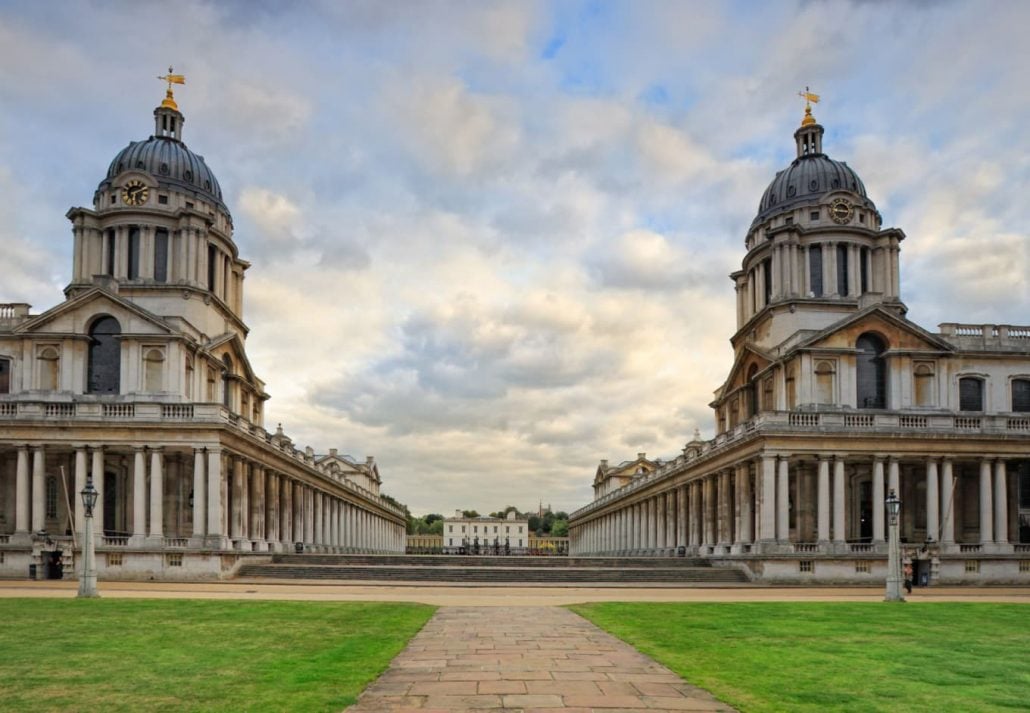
pixel 899 333
pixel 75 316
pixel 747 357
pixel 232 344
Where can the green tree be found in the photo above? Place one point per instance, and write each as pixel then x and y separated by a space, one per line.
pixel 469 513
pixel 560 528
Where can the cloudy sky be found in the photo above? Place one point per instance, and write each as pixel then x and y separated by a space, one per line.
pixel 491 240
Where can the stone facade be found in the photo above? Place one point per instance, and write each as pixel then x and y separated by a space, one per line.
pixel 140 378
pixel 835 399
pixel 464 534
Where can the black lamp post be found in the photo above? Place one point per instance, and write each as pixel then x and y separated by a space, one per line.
pixel 893 505
pixel 88 580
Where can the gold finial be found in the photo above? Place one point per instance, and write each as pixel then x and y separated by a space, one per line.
pixel 809 98
pixel 169 102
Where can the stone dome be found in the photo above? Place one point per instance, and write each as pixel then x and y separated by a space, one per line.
pixel 171 163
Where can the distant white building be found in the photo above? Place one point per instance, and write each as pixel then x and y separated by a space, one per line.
pixel 485 534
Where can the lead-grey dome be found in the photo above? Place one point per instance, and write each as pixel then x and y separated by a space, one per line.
pixel 804 180
pixel 171 163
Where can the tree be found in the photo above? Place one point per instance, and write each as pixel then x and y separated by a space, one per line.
pixel 469 513
pixel 560 528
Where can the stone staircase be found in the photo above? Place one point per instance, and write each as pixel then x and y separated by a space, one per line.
pixel 494 570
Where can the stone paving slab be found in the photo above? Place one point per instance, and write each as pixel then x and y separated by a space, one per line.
pixel 526 659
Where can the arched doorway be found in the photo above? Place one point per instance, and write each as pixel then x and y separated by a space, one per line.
pixel 105 357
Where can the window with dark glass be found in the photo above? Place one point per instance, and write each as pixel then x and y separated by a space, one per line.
pixel 227 382
pixel 1021 394
pixel 5 376
pixel 815 270
pixel 133 272
pixel 767 279
pixel 160 255
pixel 970 394
pixel 842 270
pixel 109 238
pixel 212 253
pixel 864 269
pixel 871 372
pixel 104 363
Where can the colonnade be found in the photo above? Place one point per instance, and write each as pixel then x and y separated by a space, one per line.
pixel 810 503
pixel 231 502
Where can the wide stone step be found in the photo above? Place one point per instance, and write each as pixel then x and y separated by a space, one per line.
pixel 528 575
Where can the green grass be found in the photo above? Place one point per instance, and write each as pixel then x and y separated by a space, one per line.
pixel 183 655
pixel 932 657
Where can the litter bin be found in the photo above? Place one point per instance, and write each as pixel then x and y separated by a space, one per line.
pixel 32 571
pixel 681 551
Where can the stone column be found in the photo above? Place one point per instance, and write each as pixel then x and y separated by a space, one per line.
pixel 933 499
pixel 157 494
pixel 286 513
pixel 660 522
pixel 298 512
pixel 236 516
pixel 838 500
pixel 199 501
pixel 272 511
pixel 823 494
pixel 80 484
pixel 767 516
pixel 719 485
pixel 894 479
pixel 947 504
pixel 1001 503
pixel 879 505
pixel 670 520
pixel 139 496
pixel 21 494
pixel 747 516
pixel 38 489
pixel 257 508
pixel 986 521
pixel 682 538
pixel 309 515
pixel 97 469
pixel 215 533
pixel 782 501
pixel 697 513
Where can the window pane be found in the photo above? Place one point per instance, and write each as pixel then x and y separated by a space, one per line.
pixel 161 255
pixel 970 394
pixel 1021 395
pixel 815 263
pixel 5 376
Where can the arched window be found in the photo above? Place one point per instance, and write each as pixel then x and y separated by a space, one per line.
pixel 1021 394
pixel 871 376
pixel 49 362
pixel 924 383
pixel 5 376
pixel 970 394
pixel 153 370
pixel 824 386
pixel 227 382
pixel 105 357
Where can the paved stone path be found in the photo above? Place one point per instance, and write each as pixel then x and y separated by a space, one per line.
pixel 527 659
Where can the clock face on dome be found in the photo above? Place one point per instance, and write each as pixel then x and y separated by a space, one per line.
pixel 135 192
pixel 841 211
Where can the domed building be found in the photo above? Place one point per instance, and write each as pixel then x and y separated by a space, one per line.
pixel 834 401
pixel 140 381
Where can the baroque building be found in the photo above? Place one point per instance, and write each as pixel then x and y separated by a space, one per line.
pixel 833 400
pixel 140 379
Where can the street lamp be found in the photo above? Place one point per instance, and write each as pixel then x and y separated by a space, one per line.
pixel 88 579
pixel 893 505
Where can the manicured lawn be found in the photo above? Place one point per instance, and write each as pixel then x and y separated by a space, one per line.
pixel 932 657
pixel 180 655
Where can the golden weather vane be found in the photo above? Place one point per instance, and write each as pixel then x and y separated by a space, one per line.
pixel 169 101
pixel 809 98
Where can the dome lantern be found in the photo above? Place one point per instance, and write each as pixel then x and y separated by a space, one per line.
pixel 167 118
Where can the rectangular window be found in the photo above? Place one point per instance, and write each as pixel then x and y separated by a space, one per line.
pixel 1024 566
pixel 789 220
pixel 1024 485
pixel 174 559
pixel 767 278
pixel 133 253
pixel 5 376
pixel 450 528
pixel 814 215
pixel 864 268
pixel 1021 394
pixel 51 497
pixel 972 566
pixel 862 567
pixel 161 255
pixel 815 270
pixel 806 566
pixel 114 559
pixel 212 253
pixel 842 270
pixel 162 199
pixel 970 394
pixel 110 242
